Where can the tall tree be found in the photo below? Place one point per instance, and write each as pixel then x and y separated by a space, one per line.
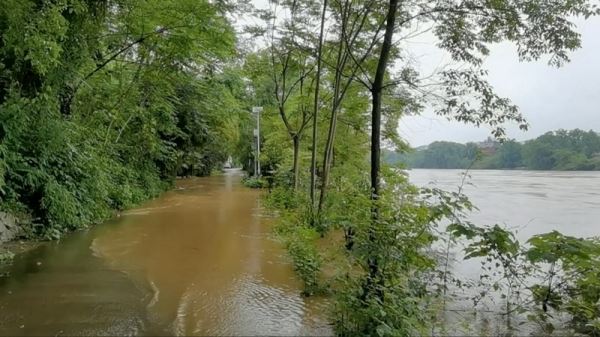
pixel 464 29
pixel 91 103
pixel 313 160
pixel 291 69
pixel 356 37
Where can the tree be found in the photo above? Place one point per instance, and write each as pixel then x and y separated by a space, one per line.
pixel 102 103
pixel 290 67
pixel 356 39
pixel 509 155
pixel 313 152
pixel 465 29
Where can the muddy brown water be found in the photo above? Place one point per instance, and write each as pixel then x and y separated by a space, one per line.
pixel 197 261
pixel 527 202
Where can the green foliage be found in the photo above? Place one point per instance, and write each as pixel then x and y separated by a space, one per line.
pixel 386 271
pixel 553 274
pixel 563 150
pixel 493 240
pixel 400 314
pixel 574 278
pixel 554 246
pixel 558 150
pixel 305 257
pixel 403 299
pixel 104 103
pixel 384 268
pixel 300 240
pixel 254 182
pixel 6 257
pixel 445 155
pixel 509 155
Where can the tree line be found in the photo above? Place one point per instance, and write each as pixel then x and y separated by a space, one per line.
pixel 554 150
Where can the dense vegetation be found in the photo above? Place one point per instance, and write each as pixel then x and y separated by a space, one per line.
pixel 334 77
pixel 558 150
pixel 103 103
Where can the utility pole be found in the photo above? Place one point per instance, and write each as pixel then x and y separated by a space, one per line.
pixel 257 110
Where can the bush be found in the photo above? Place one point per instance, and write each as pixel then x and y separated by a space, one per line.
pixel 305 257
pixel 300 241
pixel 253 182
pixel 70 154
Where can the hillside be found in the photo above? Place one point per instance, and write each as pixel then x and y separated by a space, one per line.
pixel 555 150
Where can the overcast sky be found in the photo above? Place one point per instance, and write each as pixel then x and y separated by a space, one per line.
pixel 550 98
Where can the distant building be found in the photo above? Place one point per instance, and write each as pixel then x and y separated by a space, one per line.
pixel 488 146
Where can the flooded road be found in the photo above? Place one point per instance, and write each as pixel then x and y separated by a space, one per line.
pixel 197 261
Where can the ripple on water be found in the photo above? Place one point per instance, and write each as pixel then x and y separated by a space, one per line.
pixel 250 307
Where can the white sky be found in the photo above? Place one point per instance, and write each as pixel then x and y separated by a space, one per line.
pixel 549 98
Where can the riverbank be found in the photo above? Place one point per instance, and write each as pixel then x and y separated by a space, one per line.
pixel 528 208
pixel 9 245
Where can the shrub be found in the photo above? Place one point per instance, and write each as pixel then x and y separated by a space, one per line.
pixel 253 182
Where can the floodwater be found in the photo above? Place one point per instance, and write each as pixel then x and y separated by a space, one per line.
pixel 529 203
pixel 197 261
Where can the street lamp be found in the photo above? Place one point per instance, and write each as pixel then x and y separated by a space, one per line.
pixel 257 110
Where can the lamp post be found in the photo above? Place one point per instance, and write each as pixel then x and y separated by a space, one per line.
pixel 257 110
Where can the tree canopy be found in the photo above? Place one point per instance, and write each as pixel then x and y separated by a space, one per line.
pixel 103 103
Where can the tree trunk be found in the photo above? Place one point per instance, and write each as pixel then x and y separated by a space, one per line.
pixel 376 92
pixel 296 166
pixel 328 152
pixel 327 159
pixel 313 161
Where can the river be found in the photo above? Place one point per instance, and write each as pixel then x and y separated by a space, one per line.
pixel 197 261
pixel 528 202
pixel 531 202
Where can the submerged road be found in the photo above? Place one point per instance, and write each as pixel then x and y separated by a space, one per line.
pixel 197 261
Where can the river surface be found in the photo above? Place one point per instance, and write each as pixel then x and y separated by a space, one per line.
pixel 531 202
pixel 528 202
pixel 197 261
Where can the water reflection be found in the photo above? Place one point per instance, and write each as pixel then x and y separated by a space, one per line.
pixel 60 288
